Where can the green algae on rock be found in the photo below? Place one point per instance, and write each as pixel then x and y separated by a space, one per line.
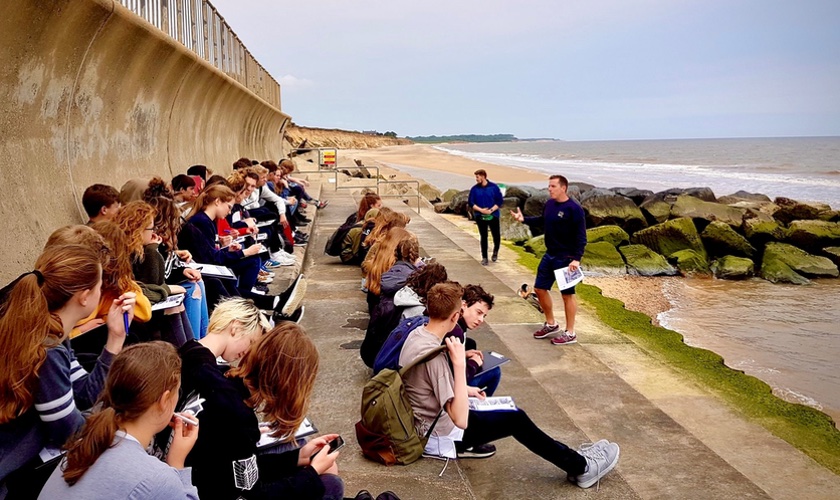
pixel 611 234
pixel 813 235
pixel 695 208
pixel 643 261
pixel 671 236
pixel 720 239
pixel 689 262
pixel 730 267
pixel 602 257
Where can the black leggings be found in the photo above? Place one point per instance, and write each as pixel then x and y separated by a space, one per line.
pixel 493 224
pixel 486 426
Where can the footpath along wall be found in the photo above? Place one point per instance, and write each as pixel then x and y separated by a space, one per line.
pixel 90 92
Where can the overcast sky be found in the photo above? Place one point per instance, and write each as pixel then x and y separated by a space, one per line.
pixel 575 70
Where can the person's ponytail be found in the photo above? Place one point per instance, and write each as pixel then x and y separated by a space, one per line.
pixel 29 324
pixel 85 449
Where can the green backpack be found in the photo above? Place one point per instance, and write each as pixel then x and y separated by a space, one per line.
pixel 386 431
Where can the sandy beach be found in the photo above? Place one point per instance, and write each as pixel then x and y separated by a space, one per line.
pixel 443 168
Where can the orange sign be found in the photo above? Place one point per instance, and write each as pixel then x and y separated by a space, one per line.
pixel 328 157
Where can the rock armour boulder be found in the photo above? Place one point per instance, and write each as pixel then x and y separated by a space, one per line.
pixel 602 206
pixel 730 267
pixel 671 236
pixel 813 235
pixel 642 261
pixel 612 234
pixel 602 257
pixel 695 208
pixel 720 239
pixel 689 262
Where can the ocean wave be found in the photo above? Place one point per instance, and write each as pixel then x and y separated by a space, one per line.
pixel 706 173
pixel 797 397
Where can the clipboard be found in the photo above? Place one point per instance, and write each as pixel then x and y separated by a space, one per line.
pixel 492 360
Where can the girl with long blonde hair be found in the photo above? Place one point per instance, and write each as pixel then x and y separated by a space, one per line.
pixel 108 458
pixel 43 389
pixel 275 377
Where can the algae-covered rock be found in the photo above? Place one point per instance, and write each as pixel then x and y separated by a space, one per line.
pixel 637 195
pixel 535 204
pixel 536 245
pixel 720 239
pixel 759 231
pixel 671 236
pixel 689 262
pixel 521 193
pixel 798 260
pixel 833 254
pixel 449 194
pixel 791 210
pixel 813 235
pixel 614 235
pixel 740 196
pixel 730 267
pixel 774 270
pixel 689 206
pixel 603 207
pixel 580 186
pixel 458 204
pixel 642 261
pixel 656 210
pixel 830 215
pixel 441 207
pixel 512 230
pixel 602 257
pixel 431 193
pixel 702 193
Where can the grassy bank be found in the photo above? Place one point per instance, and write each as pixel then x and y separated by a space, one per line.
pixel 807 429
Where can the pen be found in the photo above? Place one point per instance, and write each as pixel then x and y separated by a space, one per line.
pixel 483 389
pixel 185 419
pixel 125 321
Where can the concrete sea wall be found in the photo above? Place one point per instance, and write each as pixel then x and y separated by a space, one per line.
pixel 92 93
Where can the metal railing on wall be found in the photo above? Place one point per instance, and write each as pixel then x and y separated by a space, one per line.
pixel 199 27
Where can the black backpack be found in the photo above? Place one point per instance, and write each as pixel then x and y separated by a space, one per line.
pixel 333 246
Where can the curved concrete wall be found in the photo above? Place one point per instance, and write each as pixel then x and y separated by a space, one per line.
pixel 92 93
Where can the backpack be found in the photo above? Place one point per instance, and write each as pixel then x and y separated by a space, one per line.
pixel 333 246
pixel 386 432
pixel 389 353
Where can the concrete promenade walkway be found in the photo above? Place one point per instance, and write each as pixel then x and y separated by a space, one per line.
pixel 677 440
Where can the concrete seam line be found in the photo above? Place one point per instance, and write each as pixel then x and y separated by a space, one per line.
pixel 171 110
pixel 68 110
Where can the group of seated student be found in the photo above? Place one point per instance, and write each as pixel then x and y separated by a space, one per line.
pixel 83 430
pixel 401 285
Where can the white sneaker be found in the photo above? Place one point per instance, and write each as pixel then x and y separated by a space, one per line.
pixel 283 257
pixel 601 458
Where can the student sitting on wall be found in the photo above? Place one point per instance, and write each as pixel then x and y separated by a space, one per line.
pixel 43 386
pixel 199 236
pixel 137 221
pixel 101 202
pixel 276 376
pixel 434 385
pixel 108 458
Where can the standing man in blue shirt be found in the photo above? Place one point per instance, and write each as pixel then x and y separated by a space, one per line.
pixel 485 200
pixel 565 239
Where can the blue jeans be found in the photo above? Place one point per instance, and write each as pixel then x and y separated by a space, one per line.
pixel 490 380
pixel 196 307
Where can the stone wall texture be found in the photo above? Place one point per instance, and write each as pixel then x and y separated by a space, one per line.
pixel 91 93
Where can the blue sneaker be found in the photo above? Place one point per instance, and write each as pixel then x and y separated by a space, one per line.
pixel 272 264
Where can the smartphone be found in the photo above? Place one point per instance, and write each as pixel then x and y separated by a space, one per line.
pixel 336 444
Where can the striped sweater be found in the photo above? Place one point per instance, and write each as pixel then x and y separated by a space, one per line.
pixel 64 389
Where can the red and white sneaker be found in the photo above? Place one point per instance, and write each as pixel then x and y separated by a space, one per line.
pixel 564 339
pixel 546 331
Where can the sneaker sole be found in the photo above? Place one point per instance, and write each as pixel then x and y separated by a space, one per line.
pixel 296 297
pixel 611 466
pixel 565 343
pixel 546 335
pixel 464 455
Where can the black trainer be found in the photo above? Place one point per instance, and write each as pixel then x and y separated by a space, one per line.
pixel 480 451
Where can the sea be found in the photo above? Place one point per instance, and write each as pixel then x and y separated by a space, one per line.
pixel 786 335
